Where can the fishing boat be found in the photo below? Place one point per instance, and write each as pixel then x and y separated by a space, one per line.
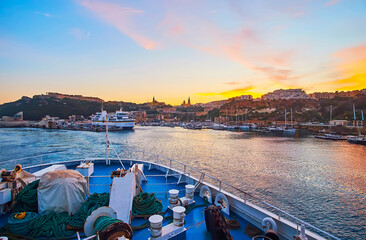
pixel 135 195
pixel 330 136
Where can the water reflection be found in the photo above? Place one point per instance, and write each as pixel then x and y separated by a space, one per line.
pixel 322 182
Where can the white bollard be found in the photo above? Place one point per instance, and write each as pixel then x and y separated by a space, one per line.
pixel 156 224
pixel 173 197
pixel 189 191
pixel 178 216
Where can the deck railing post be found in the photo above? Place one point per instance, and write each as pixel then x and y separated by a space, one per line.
pixel 220 186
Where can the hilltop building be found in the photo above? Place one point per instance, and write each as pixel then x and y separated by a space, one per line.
pixel 61 96
pixel 285 94
pixel 242 97
pixel 156 103
pixel 322 95
pixel 188 104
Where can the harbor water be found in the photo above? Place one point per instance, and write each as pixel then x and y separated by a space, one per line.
pixel 319 181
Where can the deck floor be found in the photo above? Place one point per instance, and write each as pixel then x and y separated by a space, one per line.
pixel 160 185
pixel 195 220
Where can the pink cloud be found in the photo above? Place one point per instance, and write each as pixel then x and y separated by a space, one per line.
pixel 352 54
pixel 185 25
pixel 121 18
pixel 331 2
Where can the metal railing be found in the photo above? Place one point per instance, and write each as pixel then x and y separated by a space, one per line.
pixel 186 170
pixel 189 171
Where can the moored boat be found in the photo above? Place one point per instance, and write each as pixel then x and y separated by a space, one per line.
pixel 119 119
pixel 357 140
pixel 329 136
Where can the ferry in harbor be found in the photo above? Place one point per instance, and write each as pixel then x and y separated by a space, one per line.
pixel 119 119
pixel 134 195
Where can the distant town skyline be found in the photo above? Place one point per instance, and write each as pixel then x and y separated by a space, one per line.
pixel 206 50
pixel 278 94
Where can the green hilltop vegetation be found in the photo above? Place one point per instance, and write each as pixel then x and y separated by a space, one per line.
pixel 38 107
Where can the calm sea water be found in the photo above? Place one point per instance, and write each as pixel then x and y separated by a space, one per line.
pixel 321 182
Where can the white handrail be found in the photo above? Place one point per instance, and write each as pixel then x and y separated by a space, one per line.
pixel 242 191
pixel 157 156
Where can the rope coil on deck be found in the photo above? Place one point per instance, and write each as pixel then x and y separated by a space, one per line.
pixel 20 225
pixel 146 204
pixel 52 224
pixel 26 200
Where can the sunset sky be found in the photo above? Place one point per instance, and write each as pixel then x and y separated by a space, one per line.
pixel 170 49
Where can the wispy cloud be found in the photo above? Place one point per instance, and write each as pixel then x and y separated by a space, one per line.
pixel 121 17
pixel 357 81
pixel 231 83
pixel 331 2
pixel 351 69
pixel 44 14
pixel 230 93
pixel 79 34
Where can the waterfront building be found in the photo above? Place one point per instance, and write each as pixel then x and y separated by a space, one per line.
pixel 339 122
pixel 16 117
pixel 76 118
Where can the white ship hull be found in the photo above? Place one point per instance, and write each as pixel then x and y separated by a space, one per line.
pixel 119 124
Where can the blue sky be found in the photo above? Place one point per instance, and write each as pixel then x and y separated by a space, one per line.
pixel 208 50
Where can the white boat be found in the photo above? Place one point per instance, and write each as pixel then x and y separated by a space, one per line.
pixel 219 127
pixel 244 127
pixel 330 136
pixel 119 119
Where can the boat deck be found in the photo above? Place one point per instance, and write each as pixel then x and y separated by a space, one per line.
pixel 156 183
pixel 160 185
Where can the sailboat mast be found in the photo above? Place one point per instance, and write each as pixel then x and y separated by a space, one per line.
pixel 292 126
pixel 330 114
pixel 106 142
pixel 226 118
pixel 354 114
pixel 285 118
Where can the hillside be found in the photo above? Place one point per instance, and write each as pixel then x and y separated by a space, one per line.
pixel 37 107
pixel 304 110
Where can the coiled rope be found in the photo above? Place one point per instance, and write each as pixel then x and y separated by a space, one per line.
pixel 26 200
pixel 146 204
pixel 94 202
pixel 55 224
pixel 103 222
pixel 18 222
